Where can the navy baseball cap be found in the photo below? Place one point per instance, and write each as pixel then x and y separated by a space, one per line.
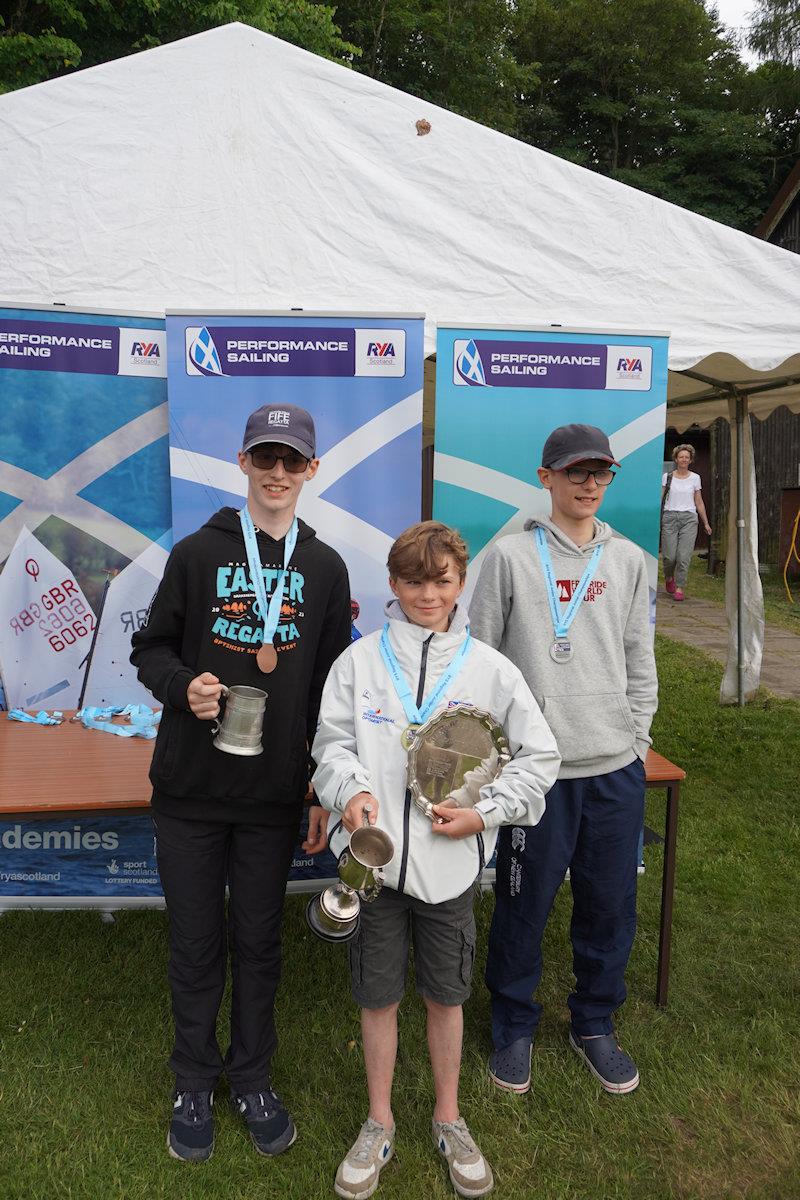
pixel 283 423
pixel 571 444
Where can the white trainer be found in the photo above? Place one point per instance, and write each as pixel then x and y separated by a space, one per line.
pixel 359 1173
pixel 470 1174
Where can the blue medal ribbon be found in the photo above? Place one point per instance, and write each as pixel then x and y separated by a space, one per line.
pixel 270 612
pixel 41 718
pixel 142 721
pixel 415 715
pixel 563 620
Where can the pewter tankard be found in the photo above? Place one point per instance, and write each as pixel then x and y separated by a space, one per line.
pixel 333 915
pixel 239 731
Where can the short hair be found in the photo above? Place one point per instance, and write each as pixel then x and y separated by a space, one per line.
pixel 420 551
pixel 683 446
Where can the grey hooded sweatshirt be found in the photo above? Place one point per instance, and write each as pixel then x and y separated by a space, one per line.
pixel 600 704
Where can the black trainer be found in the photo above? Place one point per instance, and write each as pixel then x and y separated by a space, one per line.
pixel 271 1127
pixel 191 1130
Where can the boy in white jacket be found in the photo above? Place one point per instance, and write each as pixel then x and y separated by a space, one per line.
pixel 423 662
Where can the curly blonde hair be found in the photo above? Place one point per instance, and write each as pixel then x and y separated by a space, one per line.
pixel 683 446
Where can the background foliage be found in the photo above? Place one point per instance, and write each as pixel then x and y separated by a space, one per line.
pixel 652 92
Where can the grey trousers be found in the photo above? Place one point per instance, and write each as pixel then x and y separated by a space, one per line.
pixel 678 536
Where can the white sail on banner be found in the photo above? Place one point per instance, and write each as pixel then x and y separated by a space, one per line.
pixel 46 627
pixel 112 678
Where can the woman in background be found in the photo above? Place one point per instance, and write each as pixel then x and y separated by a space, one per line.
pixel 682 503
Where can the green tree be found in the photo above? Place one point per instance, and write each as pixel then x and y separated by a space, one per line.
pixel 41 40
pixel 646 91
pixel 775 31
pixel 34 44
pixel 773 89
pixel 455 53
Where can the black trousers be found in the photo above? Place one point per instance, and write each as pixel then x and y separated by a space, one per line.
pixel 195 860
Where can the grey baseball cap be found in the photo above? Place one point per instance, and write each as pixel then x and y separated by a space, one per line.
pixel 283 423
pixel 570 444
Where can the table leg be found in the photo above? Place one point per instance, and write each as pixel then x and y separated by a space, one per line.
pixel 667 891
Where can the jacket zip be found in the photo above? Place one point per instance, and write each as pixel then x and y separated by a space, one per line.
pixel 407 810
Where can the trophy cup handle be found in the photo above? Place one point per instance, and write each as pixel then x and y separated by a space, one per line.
pixel 224 693
pixel 372 890
pixel 366 810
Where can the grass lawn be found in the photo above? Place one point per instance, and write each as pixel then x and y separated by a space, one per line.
pixel 85 1025
pixel 777 608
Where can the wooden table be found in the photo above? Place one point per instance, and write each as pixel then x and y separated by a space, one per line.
pixel 69 769
pixel 661 773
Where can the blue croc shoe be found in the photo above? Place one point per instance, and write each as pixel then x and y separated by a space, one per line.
pixel 510 1068
pixel 607 1061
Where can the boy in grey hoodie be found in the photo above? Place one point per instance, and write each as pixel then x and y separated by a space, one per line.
pixel 568 602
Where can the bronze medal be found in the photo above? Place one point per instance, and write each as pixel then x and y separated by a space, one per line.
pixel 267 658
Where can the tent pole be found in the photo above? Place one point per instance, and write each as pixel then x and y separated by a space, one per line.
pixel 740 410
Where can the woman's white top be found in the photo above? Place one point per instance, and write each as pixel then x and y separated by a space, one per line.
pixel 681 492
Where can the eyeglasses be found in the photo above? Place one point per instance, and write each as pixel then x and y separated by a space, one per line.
pixel 265 458
pixel 602 477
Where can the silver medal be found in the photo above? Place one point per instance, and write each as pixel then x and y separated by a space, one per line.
pixel 561 650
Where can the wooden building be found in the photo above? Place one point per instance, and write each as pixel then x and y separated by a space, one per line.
pixel 776 440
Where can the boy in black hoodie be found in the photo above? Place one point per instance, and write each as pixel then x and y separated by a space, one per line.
pixel 223 818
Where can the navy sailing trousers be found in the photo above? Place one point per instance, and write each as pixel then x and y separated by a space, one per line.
pixel 592 826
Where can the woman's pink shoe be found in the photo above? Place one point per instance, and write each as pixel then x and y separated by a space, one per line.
pixel 678 595
pixel 669 584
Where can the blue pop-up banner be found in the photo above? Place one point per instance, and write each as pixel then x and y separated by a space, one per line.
pixel 360 377
pixel 501 391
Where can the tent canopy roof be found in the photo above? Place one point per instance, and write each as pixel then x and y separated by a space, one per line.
pixel 234 170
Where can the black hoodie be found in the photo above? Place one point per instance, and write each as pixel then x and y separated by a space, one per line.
pixel 202 619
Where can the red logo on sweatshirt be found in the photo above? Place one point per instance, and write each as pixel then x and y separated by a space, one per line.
pixel 568 587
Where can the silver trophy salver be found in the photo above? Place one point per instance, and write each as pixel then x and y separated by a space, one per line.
pixel 239 731
pixel 333 915
pixel 452 756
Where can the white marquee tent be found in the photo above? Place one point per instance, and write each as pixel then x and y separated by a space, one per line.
pixel 233 170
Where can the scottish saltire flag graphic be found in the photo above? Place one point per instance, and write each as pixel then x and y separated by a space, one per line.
pixel 203 354
pixel 469 365
pixel 84 455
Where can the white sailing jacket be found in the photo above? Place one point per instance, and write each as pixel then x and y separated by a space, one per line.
pixel 357 749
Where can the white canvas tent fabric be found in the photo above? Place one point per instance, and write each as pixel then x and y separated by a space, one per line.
pixel 234 170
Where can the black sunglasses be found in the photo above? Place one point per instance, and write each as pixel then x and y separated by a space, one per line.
pixel 265 458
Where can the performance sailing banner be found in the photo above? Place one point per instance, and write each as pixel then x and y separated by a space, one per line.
pixel 360 377
pixel 84 493
pixel 500 391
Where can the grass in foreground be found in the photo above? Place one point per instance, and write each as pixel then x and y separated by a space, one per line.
pixel 85 1026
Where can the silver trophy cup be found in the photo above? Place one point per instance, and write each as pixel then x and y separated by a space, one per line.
pixel 239 731
pixel 333 915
